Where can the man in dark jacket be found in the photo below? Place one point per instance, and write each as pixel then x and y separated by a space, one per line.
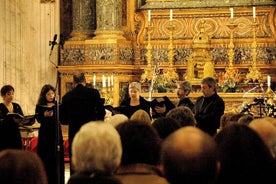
pixel 80 106
pixel 209 108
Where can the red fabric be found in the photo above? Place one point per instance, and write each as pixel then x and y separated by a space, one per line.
pixel 66 150
pixel 33 144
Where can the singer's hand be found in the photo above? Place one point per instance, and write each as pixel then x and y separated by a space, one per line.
pixel 48 113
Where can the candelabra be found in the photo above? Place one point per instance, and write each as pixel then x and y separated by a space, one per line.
pixel 107 94
pixel 231 46
pixel 147 75
pixel 106 88
pixel 254 74
pixel 171 70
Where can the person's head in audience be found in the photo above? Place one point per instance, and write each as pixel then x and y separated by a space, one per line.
pixel 19 166
pixel 266 131
pixel 183 115
pixel 244 157
pixel 225 118
pixel 141 116
pixel 117 119
pixel 140 142
pixel 165 126
pixel 96 149
pixel 245 119
pixel 190 155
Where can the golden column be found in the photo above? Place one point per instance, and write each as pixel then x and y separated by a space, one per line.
pixel 84 19
pixel 109 19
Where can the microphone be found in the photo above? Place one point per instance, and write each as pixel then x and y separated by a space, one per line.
pixel 53 43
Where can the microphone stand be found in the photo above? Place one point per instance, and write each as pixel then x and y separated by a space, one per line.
pixel 58 147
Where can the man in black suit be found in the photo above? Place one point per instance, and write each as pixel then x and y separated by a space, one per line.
pixel 79 106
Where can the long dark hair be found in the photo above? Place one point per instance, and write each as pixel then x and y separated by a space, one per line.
pixel 42 97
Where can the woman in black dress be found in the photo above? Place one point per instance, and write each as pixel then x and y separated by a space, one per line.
pixel 50 142
pixel 10 136
pixel 135 101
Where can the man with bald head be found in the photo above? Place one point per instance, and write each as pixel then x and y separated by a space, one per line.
pixel 190 155
pixel 267 131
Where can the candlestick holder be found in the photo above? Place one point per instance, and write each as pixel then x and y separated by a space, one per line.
pixel 171 72
pixel 107 93
pixel 232 26
pixel 148 72
pixel 254 74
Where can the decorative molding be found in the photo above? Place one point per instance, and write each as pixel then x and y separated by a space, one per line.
pixel 47 1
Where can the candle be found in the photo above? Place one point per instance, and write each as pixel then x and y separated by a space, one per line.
pixel 268 81
pixel 231 13
pixel 254 12
pixel 103 81
pixel 108 81
pixel 171 14
pixel 94 80
pixel 149 15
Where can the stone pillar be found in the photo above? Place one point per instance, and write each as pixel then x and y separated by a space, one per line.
pixel 109 19
pixel 84 19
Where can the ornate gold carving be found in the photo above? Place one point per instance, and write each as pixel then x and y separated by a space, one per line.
pixel 200 64
pixel 254 74
pixel 47 1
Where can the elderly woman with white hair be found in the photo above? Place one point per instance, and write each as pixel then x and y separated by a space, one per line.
pixel 96 154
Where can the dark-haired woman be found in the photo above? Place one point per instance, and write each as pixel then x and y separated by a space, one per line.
pixel 50 142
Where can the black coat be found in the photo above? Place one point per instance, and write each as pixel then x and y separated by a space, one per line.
pixel 78 107
pixel 10 136
pixel 208 111
pixel 186 102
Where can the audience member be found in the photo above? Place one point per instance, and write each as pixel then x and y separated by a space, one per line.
pixel 266 131
pixel 183 115
pixel 117 119
pixel 224 119
pixel 161 106
pixel 134 102
pixel 165 126
pixel 79 106
pixel 141 116
pixel 183 90
pixel 20 167
pixel 190 155
pixel 245 119
pixel 10 136
pixel 209 108
pixel 50 135
pixel 96 154
pixel 243 155
pixel 141 154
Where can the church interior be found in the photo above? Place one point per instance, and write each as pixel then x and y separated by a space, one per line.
pixel 155 42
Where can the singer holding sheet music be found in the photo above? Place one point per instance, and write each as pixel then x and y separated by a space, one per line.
pixel 10 136
pixel 49 135
pixel 135 101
